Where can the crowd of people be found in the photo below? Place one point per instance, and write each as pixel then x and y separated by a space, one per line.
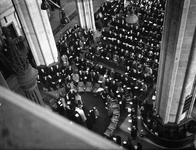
pixel 74 42
pixel 70 105
pixel 135 46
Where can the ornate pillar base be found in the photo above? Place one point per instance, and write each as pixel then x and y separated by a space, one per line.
pixel 28 83
pixel 167 136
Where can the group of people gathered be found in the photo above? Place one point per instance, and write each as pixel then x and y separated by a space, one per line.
pixel 137 47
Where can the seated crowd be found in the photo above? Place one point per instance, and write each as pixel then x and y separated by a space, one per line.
pixel 135 46
pixel 74 42
pixel 116 91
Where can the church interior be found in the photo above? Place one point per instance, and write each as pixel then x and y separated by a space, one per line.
pixel 120 71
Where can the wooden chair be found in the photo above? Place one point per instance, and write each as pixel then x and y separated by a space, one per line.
pixel 128 99
pixel 96 86
pixel 89 86
pixel 113 101
pixel 109 132
pixel 81 87
pixel 115 118
pixel 116 109
pixel 112 125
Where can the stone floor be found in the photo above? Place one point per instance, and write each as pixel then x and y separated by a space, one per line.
pixel 70 10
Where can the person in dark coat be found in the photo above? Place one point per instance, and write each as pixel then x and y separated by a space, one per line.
pixel 87 77
pixel 52 71
pixel 139 146
pixel 81 76
pixel 77 63
pixel 128 144
pixel 104 95
pixel 45 82
pixel 43 72
pixel 69 71
pixel 92 115
pixel 133 133
pixel 95 78
pixel 89 121
pixel 114 87
pixel 118 140
pixel 82 64
pixel 52 82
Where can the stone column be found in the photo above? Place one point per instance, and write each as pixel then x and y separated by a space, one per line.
pixel 177 69
pixel 37 28
pixel 3 81
pixel 28 83
pixel 86 14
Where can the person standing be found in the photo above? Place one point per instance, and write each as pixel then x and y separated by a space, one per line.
pixel 89 121
pixel 133 133
pixel 139 146
pixel 82 114
pixel 78 100
pixel 104 95
pixel 75 77
pixel 96 112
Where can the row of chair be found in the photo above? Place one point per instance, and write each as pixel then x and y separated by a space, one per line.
pixel 85 88
pixel 115 108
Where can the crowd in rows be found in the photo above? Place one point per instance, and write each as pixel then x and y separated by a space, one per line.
pixel 70 105
pixel 138 45
pixel 74 42
pixel 135 46
pixel 115 86
pixel 112 82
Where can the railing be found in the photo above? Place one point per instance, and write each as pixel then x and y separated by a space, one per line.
pixel 25 125
pixel 177 144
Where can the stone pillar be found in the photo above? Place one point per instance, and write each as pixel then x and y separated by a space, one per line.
pixel 28 83
pixel 177 69
pixel 3 81
pixel 37 28
pixel 86 14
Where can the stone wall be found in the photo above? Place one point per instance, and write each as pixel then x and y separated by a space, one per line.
pixel 5 5
pixel 8 16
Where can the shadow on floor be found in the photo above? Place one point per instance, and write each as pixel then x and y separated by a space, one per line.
pixel 103 121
